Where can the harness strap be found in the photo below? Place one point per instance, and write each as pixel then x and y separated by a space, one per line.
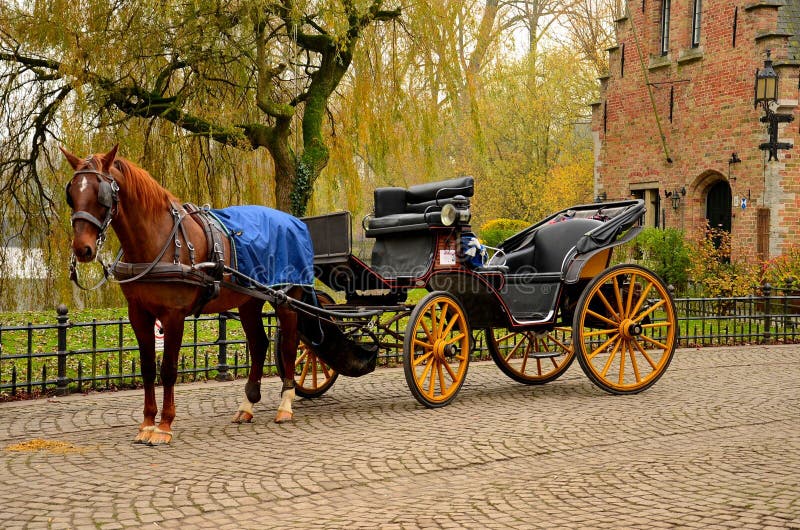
pixel 160 272
pixel 153 264
pixel 214 232
pixel 189 244
pixel 215 253
pixel 86 216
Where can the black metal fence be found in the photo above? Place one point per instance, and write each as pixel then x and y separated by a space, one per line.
pixel 37 358
pixel 768 317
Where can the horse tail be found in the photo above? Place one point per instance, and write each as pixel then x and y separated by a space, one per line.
pixel 329 342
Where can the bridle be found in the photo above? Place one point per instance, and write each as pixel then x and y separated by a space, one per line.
pixel 107 196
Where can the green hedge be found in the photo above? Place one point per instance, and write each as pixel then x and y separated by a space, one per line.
pixel 494 232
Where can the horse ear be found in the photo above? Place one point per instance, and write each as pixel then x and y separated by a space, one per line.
pixel 73 160
pixel 108 158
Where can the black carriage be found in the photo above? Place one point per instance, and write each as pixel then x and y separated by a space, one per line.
pixel 545 296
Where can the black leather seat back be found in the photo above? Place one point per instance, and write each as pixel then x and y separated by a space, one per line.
pixel 389 201
pixel 444 189
pixel 415 208
pixel 553 242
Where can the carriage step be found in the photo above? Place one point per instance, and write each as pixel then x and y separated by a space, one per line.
pixel 545 354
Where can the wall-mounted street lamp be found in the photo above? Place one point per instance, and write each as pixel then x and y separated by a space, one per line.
pixel 734 159
pixel 601 197
pixel 676 195
pixel 766 95
pixel 766 83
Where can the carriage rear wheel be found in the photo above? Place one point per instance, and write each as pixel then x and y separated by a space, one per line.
pixel 531 357
pixel 312 377
pixel 436 349
pixel 625 329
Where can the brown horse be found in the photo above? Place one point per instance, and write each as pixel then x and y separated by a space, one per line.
pixel 156 232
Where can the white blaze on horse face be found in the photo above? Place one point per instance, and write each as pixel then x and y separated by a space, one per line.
pixel 84 184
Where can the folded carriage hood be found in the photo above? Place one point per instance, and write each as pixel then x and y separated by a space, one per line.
pixel 610 230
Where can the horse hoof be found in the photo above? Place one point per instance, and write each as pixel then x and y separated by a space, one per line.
pixel 242 416
pixel 160 437
pixel 145 433
pixel 284 417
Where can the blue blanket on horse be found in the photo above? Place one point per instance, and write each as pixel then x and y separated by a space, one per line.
pixel 272 247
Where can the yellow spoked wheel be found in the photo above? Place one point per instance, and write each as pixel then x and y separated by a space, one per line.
pixel 312 376
pixel 625 328
pixel 436 349
pixel 531 357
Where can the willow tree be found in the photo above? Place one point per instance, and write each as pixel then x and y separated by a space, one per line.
pixel 538 135
pixel 454 94
pixel 251 75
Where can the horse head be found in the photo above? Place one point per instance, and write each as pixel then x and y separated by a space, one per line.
pixel 92 193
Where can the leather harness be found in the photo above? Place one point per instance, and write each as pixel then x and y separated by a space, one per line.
pixel 210 278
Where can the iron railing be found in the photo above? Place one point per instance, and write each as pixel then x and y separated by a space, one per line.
pixel 37 358
pixel 770 316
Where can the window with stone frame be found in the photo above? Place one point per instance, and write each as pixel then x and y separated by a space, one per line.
pixel 697 8
pixel 664 30
pixel 652 201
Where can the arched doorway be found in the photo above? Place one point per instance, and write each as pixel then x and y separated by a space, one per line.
pixel 718 205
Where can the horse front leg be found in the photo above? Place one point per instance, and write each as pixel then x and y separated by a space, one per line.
pixel 257 341
pixel 142 323
pixel 288 354
pixel 173 337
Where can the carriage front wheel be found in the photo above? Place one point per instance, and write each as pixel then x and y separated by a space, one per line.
pixel 436 349
pixel 625 329
pixel 312 377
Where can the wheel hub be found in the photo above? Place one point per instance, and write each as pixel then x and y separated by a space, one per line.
pixel 442 351
pixel 630 329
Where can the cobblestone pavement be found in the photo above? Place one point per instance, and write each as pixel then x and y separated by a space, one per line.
pixel 715 443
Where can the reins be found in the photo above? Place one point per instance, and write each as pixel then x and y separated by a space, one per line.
pixel 208 274
pixel 108 269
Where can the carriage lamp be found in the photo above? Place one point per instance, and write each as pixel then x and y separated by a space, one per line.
pixel 456 211
pixel 766 94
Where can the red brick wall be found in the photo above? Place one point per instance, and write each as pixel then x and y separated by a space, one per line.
pixel 712 117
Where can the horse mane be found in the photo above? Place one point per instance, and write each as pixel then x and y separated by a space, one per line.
pixel 149 195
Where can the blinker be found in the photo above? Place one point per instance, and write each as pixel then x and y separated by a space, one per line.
pixel 105 194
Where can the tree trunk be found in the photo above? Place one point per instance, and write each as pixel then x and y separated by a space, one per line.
pixel 285 165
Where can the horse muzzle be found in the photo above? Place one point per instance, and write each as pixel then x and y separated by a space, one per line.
pixel 84 254
pixel 84 251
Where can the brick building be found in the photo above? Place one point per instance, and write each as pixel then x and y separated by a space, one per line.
pixel 676 123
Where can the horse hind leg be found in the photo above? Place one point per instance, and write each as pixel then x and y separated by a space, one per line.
pixel 285 413
pixel 288 354
pixel 258 342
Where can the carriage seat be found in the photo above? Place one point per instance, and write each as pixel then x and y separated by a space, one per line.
pixel 544 251
pixel 416 208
